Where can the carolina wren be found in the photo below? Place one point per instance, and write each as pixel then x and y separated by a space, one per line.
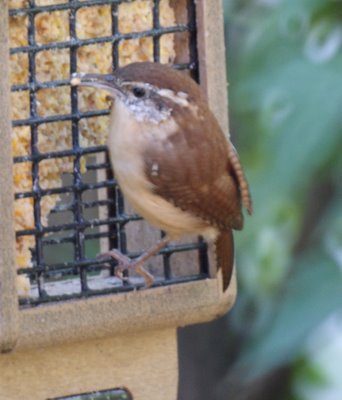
pixel 171 159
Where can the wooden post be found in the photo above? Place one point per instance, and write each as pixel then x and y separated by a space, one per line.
pixel 8 298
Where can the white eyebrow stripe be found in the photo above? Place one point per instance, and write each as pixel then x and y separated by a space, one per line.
pixel 139 84
pixel 180 98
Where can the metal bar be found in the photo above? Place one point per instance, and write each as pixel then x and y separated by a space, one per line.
pixel 171 249
pixel 117 239
pixel 115 33
pixel 66 82
pixel 124 218
pixel 203 258
pixel 71 239
pixel 193 38
pixel 121 238
pixel 166 261
pixel 76 5
pixel 106 39
pixel 79 186
pixel 79 247
pixel 95 167
pixel 36 195
pixel 86 204
pixel 59 154
pixel 60 117
pixel 156 26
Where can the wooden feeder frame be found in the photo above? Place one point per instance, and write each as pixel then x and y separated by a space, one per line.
pixel 133 333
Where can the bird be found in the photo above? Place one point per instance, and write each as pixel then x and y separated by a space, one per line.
pixel 172 161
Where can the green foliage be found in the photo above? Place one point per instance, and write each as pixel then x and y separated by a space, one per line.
pixel 313 292
pixel 308 372
pixel 284 68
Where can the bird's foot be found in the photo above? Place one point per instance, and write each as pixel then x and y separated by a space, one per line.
pixel 126 264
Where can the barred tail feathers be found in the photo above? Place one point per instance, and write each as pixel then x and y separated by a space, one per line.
pixel 224 245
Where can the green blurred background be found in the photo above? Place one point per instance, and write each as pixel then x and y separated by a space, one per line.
pixel 283 339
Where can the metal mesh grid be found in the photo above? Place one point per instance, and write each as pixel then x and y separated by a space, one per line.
pixel 83 226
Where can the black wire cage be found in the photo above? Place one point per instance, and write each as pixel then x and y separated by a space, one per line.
pixel 90 214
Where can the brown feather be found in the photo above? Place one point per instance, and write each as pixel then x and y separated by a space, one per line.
pixel 194 170
pixel 225 256
pixel 197 156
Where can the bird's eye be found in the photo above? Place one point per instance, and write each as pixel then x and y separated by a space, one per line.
pixel 139 92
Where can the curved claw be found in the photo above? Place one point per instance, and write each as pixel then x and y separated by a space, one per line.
pixel 125 263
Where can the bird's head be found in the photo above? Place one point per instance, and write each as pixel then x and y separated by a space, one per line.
pixel 149 90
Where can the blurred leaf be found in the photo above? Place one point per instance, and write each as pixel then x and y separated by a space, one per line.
pixel 284 69
pixel 308 372
pixel 296 104
pixel 313 293
pixel 285 108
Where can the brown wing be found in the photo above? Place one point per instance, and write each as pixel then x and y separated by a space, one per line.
pixel 192 169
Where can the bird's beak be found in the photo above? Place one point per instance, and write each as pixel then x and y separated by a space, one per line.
pixel 106 82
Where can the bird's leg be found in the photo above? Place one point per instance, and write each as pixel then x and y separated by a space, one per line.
pixel 125 263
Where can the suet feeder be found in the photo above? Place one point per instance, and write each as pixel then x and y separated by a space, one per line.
pixel 68 327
